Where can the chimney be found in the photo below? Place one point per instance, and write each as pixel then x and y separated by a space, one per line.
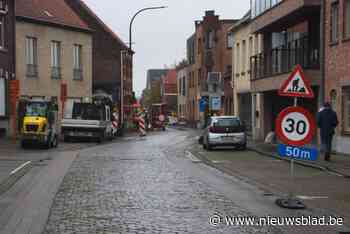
pixel 210 13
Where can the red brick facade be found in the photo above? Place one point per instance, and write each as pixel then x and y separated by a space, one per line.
pixel 337 66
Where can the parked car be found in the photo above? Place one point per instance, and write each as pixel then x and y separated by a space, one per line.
pixel 182 121
pixel 224 131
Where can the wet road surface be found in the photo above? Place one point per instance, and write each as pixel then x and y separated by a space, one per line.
pixel 150 186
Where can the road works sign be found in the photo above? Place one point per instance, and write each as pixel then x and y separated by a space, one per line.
pixel 296 85
pixel 297 153
pixel 295 126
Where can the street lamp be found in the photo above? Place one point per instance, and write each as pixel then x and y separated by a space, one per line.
pixel 133 18
pixel 121 115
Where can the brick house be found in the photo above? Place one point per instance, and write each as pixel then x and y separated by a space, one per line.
pixel 169 91
pixel 192 94
pixel 7 60
pixel 291 35
pixel 108 49
pixel 53 47
pixel 211 72
pixel 337 66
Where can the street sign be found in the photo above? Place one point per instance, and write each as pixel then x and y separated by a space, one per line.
pixel 202 104
pixel 297 85
pixel 297 153
pixel 215 103
pixel 295 126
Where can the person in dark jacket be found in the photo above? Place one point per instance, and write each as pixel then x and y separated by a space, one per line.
pixel 327 121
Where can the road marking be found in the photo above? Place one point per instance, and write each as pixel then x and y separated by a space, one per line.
pixel 191 157
pixel 20 167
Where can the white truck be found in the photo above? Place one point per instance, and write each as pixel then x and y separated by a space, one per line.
pixel 88 121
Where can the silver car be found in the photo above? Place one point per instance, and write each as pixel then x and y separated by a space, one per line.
pixel 224 131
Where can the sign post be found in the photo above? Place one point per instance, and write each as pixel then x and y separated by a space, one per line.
pixel 295 127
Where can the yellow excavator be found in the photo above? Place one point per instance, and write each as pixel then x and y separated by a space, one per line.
pixel 38 122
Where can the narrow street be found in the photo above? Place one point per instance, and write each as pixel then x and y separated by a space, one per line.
pixel 149 185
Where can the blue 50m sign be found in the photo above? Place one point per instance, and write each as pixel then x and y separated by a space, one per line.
pixel 297 153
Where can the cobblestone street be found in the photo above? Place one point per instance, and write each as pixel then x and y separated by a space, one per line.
pixel 134 188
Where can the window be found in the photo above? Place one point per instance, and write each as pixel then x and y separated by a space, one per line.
pixel 2 97
pixel 333 96
pixel 250 46
pixel 31 56
pixel 2 32
pixel 347 18
pixel 346 109
pixel 244 56
pixel 55 59
pixel 77 62
pixel 210 39
pixel 2 5
pixel 260 6
pixel 334 22
pixel 55 54
pixel 230 41
pixel 238 69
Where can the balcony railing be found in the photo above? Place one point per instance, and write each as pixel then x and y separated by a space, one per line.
pixel 283 59
pixel 55 72
pixel 32 70
pixel 77 74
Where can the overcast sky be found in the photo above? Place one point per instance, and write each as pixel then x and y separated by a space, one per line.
pixel 160 36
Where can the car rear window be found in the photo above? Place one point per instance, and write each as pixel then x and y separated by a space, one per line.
pixel 227 122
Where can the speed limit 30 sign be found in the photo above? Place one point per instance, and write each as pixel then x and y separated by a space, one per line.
pixel 295 126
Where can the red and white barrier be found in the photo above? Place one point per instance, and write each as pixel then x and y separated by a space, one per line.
pixel 142 126
pixel 115 124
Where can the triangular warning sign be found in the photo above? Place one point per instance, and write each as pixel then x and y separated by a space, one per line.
pixel 296 85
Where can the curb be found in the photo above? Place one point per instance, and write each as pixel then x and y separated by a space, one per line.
pixel 14 177
pixel 301 163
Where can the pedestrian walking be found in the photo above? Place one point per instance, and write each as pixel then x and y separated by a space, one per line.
pixel 327 121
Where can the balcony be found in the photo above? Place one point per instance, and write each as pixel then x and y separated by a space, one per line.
pixel 32 70
pixel 283 59
pixel 56 72
pixel 285 14
pixel 77 74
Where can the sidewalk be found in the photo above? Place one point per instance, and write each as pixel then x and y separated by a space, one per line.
pixel 339 164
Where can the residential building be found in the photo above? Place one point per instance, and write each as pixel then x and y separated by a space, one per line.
pixel 337 66
pixel 291 36
pixel 53 47
pixel 213 64
pixel 108 50
pixel 153 86
pixel 7 61
pixel 245 44
pixel 168 91
pixel 182 86
pixel 193 94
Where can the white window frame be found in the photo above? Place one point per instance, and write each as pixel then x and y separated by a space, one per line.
pixel 55 54
pixel 77 56
pixel 31 51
